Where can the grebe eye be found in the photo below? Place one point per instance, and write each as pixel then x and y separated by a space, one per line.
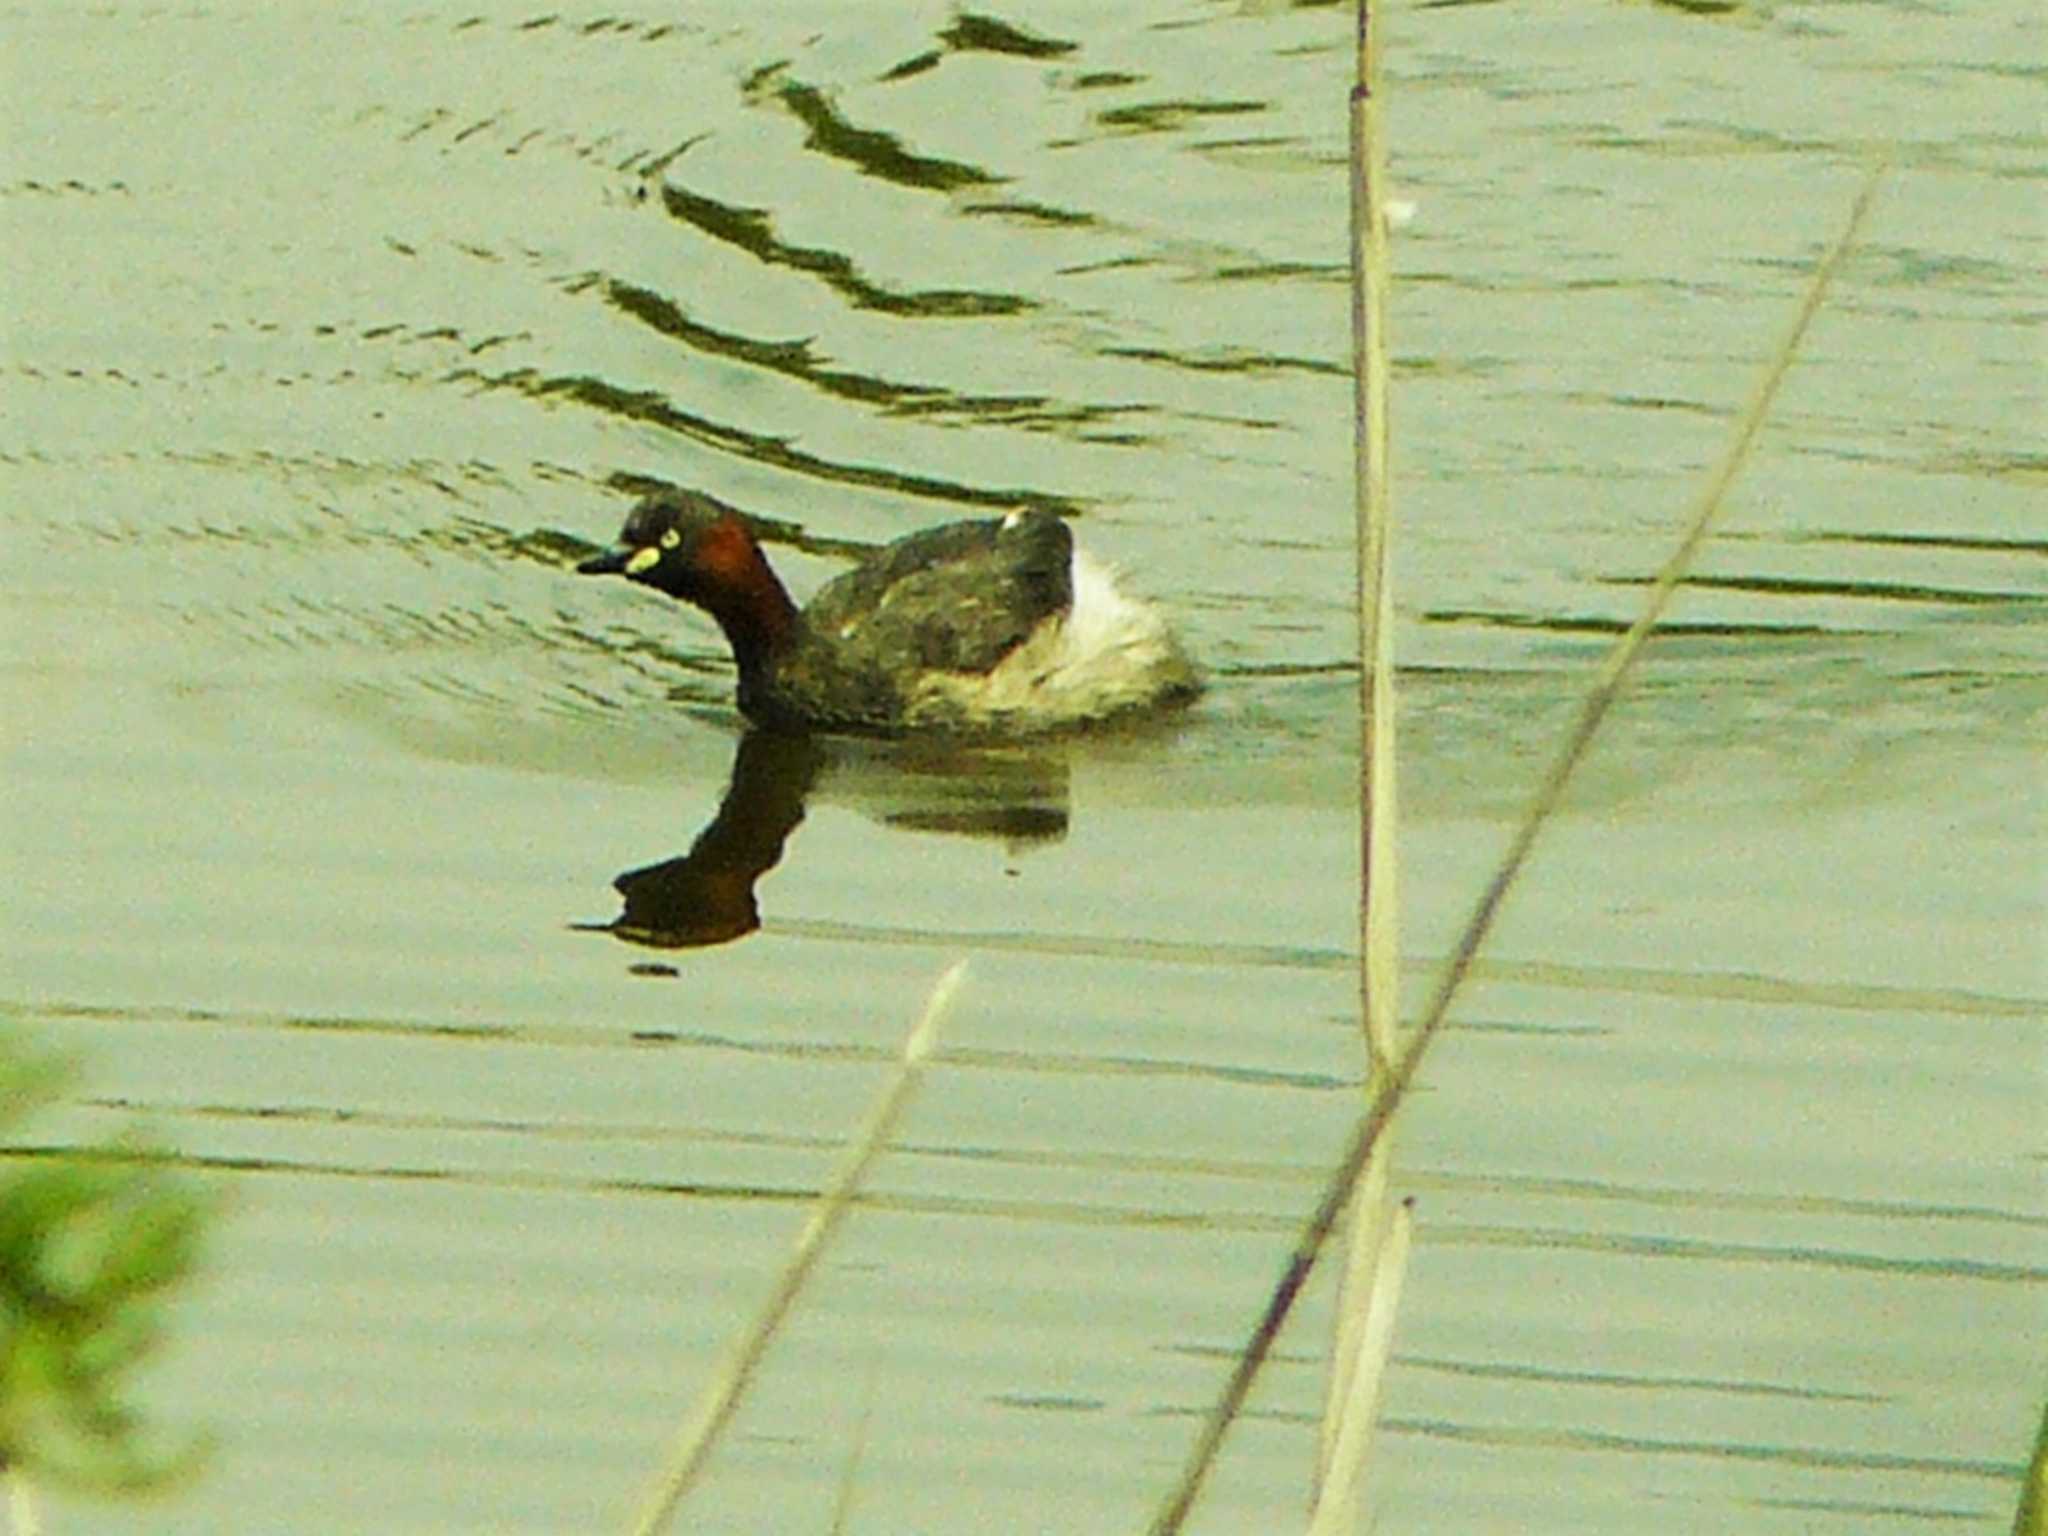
pixel 671 539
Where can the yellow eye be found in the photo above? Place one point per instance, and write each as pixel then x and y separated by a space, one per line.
pixel 642 559
pixel 671 539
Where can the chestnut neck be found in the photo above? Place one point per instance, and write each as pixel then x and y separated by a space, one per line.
pixel 739 589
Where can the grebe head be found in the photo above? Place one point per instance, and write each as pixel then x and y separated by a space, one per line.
pixel 683 544
pixel 692 548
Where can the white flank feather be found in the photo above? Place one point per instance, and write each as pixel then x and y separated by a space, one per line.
pixel 1108 653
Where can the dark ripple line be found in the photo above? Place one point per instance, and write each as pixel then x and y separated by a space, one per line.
pixel 750 230
pixel 71 186
pixel 598 1131
pixel 1872 591
pixel 1863 1508
pixel 1070 1212
pixel 1986 545
pixel 565 1037
pixel 1587 624
pixel 1041 214
pixel 1232 360
pixel 1702 7
pixel 1277 271
pixel 792 359
pixel 1167 116
pixel 1722 1450
pixel 1680 1197
pixel 1723 986
pixel 973 32
pixel 651 407
pixel 1528 1188
pixel 795 359
pixel 867 150
pixel 1075 1212
pixel 1696 1249
pixel 1727 986
pixel 1203 1219
pixel 1487 1369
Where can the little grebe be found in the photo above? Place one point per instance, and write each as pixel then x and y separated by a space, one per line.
pixel 993 626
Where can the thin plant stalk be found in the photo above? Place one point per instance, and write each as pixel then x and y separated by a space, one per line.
pixel 1401 1075
pixel 1378 909
pixel 721 1397
pixel 1341 1498
pixel 849 1471
pixel 1378 927
pixel 1372 1214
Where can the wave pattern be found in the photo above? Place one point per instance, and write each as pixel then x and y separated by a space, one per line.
pixel 340 335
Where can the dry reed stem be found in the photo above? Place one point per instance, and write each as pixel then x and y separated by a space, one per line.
pixel 1378 910
pixel 1372 1213
pixel 1378 913
pixel 1340 1499
pixel 1366 1135
pixel 849 1472
pixel 715 1407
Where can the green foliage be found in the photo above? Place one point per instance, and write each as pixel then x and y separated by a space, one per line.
pixel 90 1240
pixel 2032 1519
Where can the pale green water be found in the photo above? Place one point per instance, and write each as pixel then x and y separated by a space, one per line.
pixel 1730 1175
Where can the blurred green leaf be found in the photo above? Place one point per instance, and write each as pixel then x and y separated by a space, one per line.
pixel 91 1241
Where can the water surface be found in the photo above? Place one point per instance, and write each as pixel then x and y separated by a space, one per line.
pixel 335 335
